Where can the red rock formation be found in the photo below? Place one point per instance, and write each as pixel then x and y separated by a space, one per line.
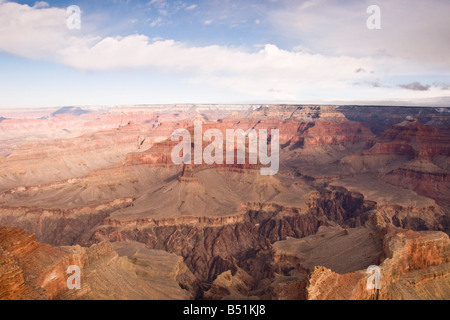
pixel 30 270
pixel 39 269
pixel 421 144
pixel 414 139
pixel 345 133
pixel 413 265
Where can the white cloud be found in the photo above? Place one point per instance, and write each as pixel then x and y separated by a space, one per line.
pixel 161 6
pixel 269 65
pixel 411 30
pixel 32 32
pixel 207 22
pixel 157 3
pixel 156 22
pixel 51 39
pixel 191 7
pixel 310 3
pixel 268 72
pixel 41 4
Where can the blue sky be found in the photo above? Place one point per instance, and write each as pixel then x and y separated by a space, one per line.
pixel 229 51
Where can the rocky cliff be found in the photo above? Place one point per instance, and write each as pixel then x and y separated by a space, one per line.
pixel 415 265
pixel 31 270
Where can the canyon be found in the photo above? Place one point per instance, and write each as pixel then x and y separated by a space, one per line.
pixel 97 188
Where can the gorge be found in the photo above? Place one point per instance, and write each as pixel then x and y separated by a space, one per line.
pixel 356 186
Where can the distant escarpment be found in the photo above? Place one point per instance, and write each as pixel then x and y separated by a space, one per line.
pixel 381 118
pixel 409 155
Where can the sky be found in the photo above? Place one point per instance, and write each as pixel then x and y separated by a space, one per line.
pixel 128 52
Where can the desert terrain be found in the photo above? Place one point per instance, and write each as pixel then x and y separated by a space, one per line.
pixel 96 187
